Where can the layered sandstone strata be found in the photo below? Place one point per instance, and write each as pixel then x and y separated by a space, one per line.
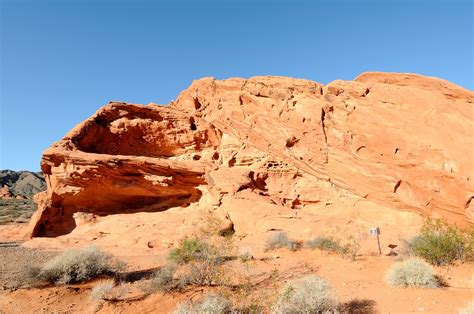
pixel 400 140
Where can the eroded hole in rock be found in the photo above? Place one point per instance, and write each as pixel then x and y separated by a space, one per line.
pixel 109 190
pixel 323 117
pixel 232 162
pixel 193 124
pixel 105 205
pixel 291 141
pixel 259 180
pixel 227 232
pixel 296 203
pixel 215 156
pixel 142 132
pixel 397 185
pixel 197 104
pixel 468 203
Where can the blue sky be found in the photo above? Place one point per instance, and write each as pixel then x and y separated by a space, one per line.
pixel 61 60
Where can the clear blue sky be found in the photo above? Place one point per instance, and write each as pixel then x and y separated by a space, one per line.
pixel 61 60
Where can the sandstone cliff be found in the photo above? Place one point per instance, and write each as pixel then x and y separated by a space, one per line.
pixel 402 141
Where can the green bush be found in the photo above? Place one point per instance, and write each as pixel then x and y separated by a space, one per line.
pixel 79 265
pixel 205 270
pixel 279 240
pixel 412 272
pixel 326 244
pixel 193 262
pixel 350 248
pixel 188 250
pixel 442 244
pixel 311 294
pixel 213 304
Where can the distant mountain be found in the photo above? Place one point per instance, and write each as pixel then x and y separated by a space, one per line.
pixel 24 183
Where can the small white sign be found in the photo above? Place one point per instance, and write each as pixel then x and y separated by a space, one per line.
pixel 374 231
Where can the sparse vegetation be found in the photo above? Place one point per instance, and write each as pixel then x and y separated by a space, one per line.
pixel 310 294
pixel 246 295
pixel 164 280
pixel 352 247
pixel 206 270
pixel 327 244
pixel 16 210
pixel 442 244
pixel 189 250
pixel 323 243
pixel 279 240
pixel 213 304
pixel 330 244
pixel 412 272
pixel 78 265
pixel 245 254
pixel 193 262
pixel 107 291
pixel 101 290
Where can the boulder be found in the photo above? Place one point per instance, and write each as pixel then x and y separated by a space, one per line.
pixel 5 193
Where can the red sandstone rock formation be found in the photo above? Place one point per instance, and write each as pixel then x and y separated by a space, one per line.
pixel 401 140
pixel 5 193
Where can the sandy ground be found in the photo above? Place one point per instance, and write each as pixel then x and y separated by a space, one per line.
pixel 359 284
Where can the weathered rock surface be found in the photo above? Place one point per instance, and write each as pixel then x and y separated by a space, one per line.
pixel 5 193
pixel 402 141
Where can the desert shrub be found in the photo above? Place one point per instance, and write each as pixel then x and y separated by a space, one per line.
pixel 311 294
pixel 101 290
pixel 412 272
pixel 188 250
pixel 30 275
pixel 206 270
pixel 79 265
pixel 350 248
pixel 325 244
pixel 245 254
pixel 442 244
pixel 202 273
pixel 213 304
pixel 194 262
pixel 279 240
pixel 469 309
pixel 164 280
pixel 107 291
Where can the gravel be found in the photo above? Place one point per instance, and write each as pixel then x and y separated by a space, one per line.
pixel 15 260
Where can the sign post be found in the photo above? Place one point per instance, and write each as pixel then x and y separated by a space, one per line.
pixel 375 232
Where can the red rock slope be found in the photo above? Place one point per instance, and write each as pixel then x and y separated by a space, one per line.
pixel 401 140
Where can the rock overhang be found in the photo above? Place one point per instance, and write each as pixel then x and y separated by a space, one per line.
pixel 357 135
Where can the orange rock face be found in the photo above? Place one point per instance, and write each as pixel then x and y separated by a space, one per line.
pixel 403 141
pixel 5 193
